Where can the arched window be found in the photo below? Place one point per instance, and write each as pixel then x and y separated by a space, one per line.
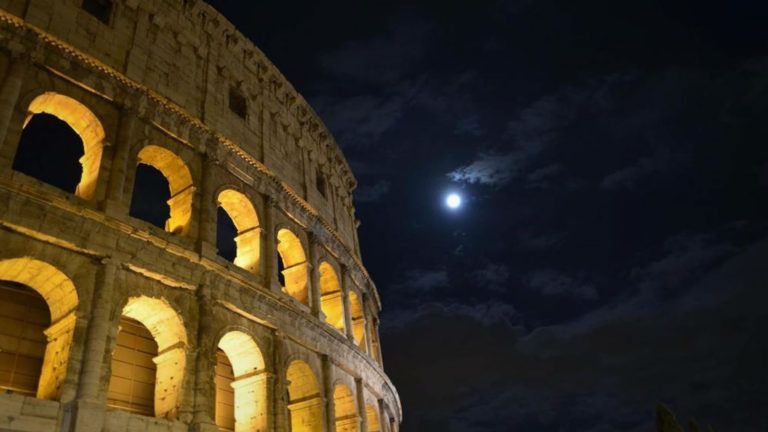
pixel 241 386
pixel 38 304
pixel 146 201
pixel 61 144
pixel 346 412
pixel 294 263
pixel 358 319
pixel 331 302
pixel 243 215
pixel 304 401
pixel 148 326
pixel 372 418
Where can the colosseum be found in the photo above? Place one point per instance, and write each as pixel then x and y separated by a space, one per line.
pixel 111 320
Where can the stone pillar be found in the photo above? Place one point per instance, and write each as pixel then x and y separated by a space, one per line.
pixel 314 277
pixel 279 392
pixel 329 405
pixel 91 401
pixel 10 89
pixel 345 301
pixel 204 405
pixel 116 204
pixel 271 280
pixel 367 324
pixel 206 237
pixel 362 413
pixel 377 347
pixel 9 95
pixel 383 417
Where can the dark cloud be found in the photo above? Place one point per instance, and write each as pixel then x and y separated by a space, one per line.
pixel 493 277
pixel 423 280
pixel 369 193
pixel 629 177
pixel 551 282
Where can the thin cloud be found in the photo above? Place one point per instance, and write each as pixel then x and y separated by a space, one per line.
pixel 371 193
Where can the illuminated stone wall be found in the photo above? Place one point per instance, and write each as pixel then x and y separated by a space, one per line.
pixel 172 84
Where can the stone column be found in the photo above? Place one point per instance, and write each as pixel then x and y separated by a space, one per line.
pixel 367 324
pixel 279 392
pixel 9 95
pixel 204 404
pixel 206 237
pixel 329 405
pixel 116 203
pixel 314 277
pixel 383 417
pixel 271 280
pixel 362 414
pixel 345 301
pixel 90 404
pixel 377 348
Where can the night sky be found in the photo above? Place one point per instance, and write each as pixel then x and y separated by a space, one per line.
pixel 611 252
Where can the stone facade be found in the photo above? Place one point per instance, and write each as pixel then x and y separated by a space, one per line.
pixel 172 84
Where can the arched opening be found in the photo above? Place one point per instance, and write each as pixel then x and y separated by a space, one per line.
pixel 59 129
pixel 358 319
pixel 147 199
pixel 36 336
pixel 49 151
pixel 132 384
pixel 150 196
pixel 372 418
pixel 331 302
pixel 132 381
pixel 294 263
pixel 241 386
pixel 242 214
pixel 345 409
pixel 304 401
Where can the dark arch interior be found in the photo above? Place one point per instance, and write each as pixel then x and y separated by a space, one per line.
pixel 151 193
pixel 24 316
pixel 50 151
pixel 226 232
pixel 280 268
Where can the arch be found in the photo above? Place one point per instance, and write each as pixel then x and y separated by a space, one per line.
pixel 180 184
pixel 85 123
pixel 331 301
pixel 167 329
pixel 248 239
pixel 358 319
pixel 345 409
pixel 295 265
pixel 304 401
pixel 372 418
pixel 60 294
pixel 249 382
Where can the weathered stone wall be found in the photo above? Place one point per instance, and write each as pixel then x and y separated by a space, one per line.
pixel 159 74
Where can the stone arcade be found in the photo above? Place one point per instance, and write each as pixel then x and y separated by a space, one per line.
pixel 110 323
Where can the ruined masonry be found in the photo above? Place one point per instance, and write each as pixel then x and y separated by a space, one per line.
pixel 110 322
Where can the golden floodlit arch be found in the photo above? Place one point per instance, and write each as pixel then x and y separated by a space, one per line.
pixel 294 265
pixel 167 329
pixel 304 401
pixel 85 124
pixel 179 181
pixel 249 384
pixel 345 407
pixel 372 418
pixel 61 296
pixel 331 302
pixel 248 240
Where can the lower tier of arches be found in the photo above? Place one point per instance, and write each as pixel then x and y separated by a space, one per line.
pixel 91 344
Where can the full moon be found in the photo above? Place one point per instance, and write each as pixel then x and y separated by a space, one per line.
pixel 453 201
